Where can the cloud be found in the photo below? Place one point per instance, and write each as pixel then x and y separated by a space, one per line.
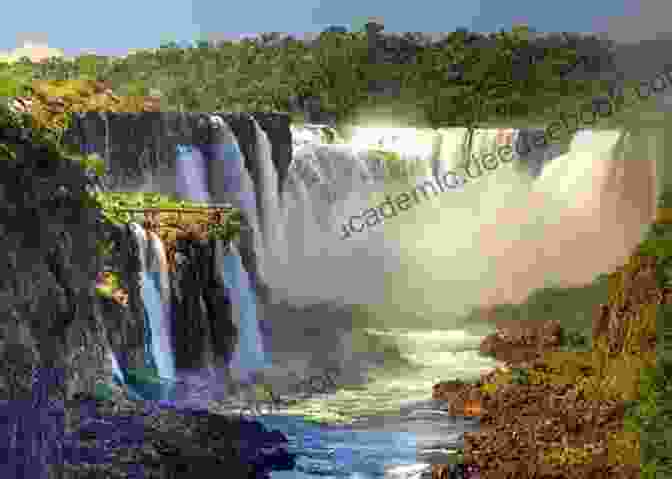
pixel 642 20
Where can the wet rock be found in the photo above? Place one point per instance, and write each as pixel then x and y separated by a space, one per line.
pixel 447 471
pixel 209 335
pixel 135 145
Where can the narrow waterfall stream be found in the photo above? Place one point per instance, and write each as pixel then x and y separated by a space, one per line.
pixel 249 354
pixel 156 299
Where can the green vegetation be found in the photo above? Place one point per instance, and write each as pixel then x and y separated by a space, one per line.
pixel 658 243
pixel 574 340
pixel 519 376
pixel 573 307
pixel 268 73
pixel 112 204
pixel 111 283
pixel 651 417
pixel 92 161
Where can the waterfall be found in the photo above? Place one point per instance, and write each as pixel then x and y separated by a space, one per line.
pixel 117 373
pixel 248 356
pixel 215 171
pixel 190 174
pixel 160 317
pixel 230 182
pixel 327 184
pixel 267 186
pixel 155 294
pixel 147 293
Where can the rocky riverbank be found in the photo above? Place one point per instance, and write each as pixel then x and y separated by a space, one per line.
pixel 119 438
pixel 556 413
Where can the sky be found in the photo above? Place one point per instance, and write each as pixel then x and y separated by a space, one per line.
pixel 130 24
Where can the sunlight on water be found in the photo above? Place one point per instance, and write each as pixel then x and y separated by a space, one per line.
pixel 438 355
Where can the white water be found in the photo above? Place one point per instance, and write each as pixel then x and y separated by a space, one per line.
pixel 249 354
pixel 159 311
pixel 413 275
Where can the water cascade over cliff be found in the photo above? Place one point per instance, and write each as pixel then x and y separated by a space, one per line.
pixel 202 316
pixel 316 233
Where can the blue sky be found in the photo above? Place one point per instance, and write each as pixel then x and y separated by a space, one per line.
pixel 112 28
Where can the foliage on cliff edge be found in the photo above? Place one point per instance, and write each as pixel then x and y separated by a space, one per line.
pixel 455 81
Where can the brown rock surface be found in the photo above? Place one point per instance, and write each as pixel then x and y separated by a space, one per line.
pixel 631 289
pixel 517 342
pixel 446 390
pixel 522 424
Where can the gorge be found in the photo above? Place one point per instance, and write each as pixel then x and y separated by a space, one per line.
pixel 286 297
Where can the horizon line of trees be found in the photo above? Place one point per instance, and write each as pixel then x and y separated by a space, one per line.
pixel 464 78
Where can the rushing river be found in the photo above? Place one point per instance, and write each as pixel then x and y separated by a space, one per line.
pixel 413 275
pixel 387 427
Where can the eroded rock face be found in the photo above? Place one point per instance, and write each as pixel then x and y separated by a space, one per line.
pixel 48 264
pixel 522 341
pixel 631 289
pixel 125 324
pixel 204 330
pixel 48 315
pixel 55 336
pixel 139 147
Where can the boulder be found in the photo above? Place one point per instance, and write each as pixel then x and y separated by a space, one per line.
pixel 446 390
pixel 521 341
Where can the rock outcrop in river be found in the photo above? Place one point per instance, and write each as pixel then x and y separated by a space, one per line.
pixel 553 413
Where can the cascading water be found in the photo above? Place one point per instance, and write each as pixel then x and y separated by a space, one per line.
pixel 266 186
pixel 215 172
pixel 141 241
pixel 421 268
pixel 248 357
pixel 325 185
pixel 191 174
pixel 160 317
pixel 117 373
pixel 230 181
pixel 155 294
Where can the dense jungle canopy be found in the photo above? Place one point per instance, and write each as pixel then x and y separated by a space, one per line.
pixel 462 79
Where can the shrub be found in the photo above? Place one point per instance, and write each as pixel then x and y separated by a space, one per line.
pixel 489 388
pixel 520 376
pixel 568 456
pixel 573 339
pixel 650 418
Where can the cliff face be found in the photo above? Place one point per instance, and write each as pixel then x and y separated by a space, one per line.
pixel 139 148
pixel 126 324
pixel 49 268
pixel 627 324
pixel 204 330
pixel 576 400
pixel 56 336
